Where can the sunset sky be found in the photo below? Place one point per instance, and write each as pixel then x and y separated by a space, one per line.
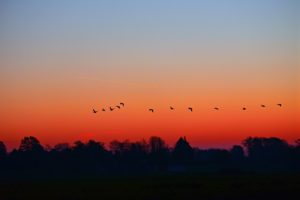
pixel 60 59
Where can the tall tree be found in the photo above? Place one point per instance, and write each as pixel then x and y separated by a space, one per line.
pixel 183 153
pixel 159 154
pixel 156 144
pixel 30 144
pixel 237 153
pixel 3 150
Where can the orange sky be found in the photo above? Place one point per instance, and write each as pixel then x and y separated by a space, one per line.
pixel 58 62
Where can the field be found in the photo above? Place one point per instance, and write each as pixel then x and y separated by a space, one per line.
pixel 159 186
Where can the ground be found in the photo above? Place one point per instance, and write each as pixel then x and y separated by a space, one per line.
pixel 158 186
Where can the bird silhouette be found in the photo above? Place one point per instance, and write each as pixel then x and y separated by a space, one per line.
pixel 122 104
pixel 103 109
pixel 191 109
pixel 151 110
pixel 172 108
pixel 244 108
pixel 118 107
pixel 216 108
pixel 262 105
pixel 111 109
pixel 95 111
pixel 279 104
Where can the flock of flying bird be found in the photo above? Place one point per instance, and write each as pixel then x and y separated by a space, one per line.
pixel 171 108
pixel 111 108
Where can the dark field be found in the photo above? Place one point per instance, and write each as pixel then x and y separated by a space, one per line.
pixel 140 170
pixel 162 186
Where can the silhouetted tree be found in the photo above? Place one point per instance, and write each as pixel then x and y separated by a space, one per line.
pixel 183 153
pixel 142 146
pixel 3 151
pixel 30 144
pixel 138 153
pixel 92 158
pixel 3 155
pixel 237 153
pixel 159 154
pixel 94 146
pixel 268 152
pixel 297 142
pixel 129 155
pixel 120 148
pixel 96 155
pixel 296 155
pixel 30 155
pixel 95 151
pixel 78 146
pixel 156 144
pixel 62 147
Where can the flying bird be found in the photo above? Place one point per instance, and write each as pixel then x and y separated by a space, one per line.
pixel 216 108
pixel 151 110
pixel 122 104
pixel 111 109
pixel 191 109
pixel 103 109
pixel 95 111
pixel 118 107
pixel 279 104
pixel 262 105
pixel 172 108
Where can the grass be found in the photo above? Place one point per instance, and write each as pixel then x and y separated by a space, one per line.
pixel 159 186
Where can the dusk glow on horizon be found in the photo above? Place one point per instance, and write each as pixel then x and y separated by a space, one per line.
pixel 59 60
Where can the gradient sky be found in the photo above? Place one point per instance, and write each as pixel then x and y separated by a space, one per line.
pixel 59 59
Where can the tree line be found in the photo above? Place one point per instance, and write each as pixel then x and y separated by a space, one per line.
pixel 154 155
